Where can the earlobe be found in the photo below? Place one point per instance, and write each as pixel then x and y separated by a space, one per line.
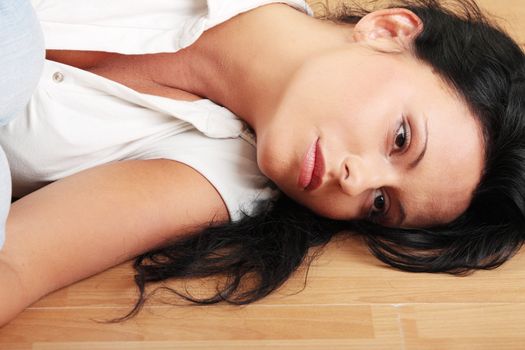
pixel 393 26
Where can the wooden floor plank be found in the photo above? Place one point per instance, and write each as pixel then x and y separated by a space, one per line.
pixel 356 325
pixel 342 275
pixel 508 13
pixel 221 345
pixel 464 326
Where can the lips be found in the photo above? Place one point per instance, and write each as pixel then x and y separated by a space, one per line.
pixel 312 169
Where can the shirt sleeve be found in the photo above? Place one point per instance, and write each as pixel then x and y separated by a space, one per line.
pixel 124 26
pixel 229 164
pixel 137 26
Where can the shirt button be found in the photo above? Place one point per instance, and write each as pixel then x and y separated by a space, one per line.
pixel 58 77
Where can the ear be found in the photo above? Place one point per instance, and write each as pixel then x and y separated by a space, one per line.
pixel 390 29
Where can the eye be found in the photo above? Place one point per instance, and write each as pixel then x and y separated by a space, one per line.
pixel 402 136
pixel 378 209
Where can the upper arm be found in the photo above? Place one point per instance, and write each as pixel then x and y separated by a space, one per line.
pixel 100 217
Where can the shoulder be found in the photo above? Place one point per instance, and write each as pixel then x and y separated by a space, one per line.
pixel 229 164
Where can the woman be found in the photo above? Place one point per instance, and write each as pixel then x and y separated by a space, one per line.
pixel 406 127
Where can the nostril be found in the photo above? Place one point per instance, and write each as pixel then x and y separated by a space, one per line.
pixel 347 172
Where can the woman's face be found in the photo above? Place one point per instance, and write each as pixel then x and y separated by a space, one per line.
pixel 398 146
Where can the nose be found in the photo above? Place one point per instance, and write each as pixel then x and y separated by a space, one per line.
pixel 360 174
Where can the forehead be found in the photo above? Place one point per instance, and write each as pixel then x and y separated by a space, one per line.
pixel 441 187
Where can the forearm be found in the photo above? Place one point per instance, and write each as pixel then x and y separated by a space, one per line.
pixel 96 219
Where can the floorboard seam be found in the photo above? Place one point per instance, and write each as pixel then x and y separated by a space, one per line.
pixel 280 305
pixel 400 325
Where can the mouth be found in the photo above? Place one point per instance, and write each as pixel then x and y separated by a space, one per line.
pixel 312 169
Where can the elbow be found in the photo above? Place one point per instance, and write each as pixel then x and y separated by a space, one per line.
pixel 12 294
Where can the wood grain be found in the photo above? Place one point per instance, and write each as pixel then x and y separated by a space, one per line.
pixel 350 302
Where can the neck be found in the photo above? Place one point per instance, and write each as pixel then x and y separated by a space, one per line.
pixel 245 63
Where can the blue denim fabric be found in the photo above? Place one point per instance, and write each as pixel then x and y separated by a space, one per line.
pixel 5 194
pixel 22 53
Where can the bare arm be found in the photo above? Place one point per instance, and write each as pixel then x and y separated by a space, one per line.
pixel 98 218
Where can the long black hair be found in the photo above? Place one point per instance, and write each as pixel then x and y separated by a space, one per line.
pixel 256 255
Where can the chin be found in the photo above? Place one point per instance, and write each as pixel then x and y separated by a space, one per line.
pixel 272 166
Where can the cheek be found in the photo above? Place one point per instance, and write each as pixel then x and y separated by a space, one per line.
pixel 332 203
pixel 318 91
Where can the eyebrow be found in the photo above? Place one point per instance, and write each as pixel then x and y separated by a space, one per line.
pixel 412 165
pixel 402 214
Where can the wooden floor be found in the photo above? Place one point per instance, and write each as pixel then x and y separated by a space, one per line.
pixel 351 302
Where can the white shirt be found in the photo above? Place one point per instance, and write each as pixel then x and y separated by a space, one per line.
pixel 77 120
